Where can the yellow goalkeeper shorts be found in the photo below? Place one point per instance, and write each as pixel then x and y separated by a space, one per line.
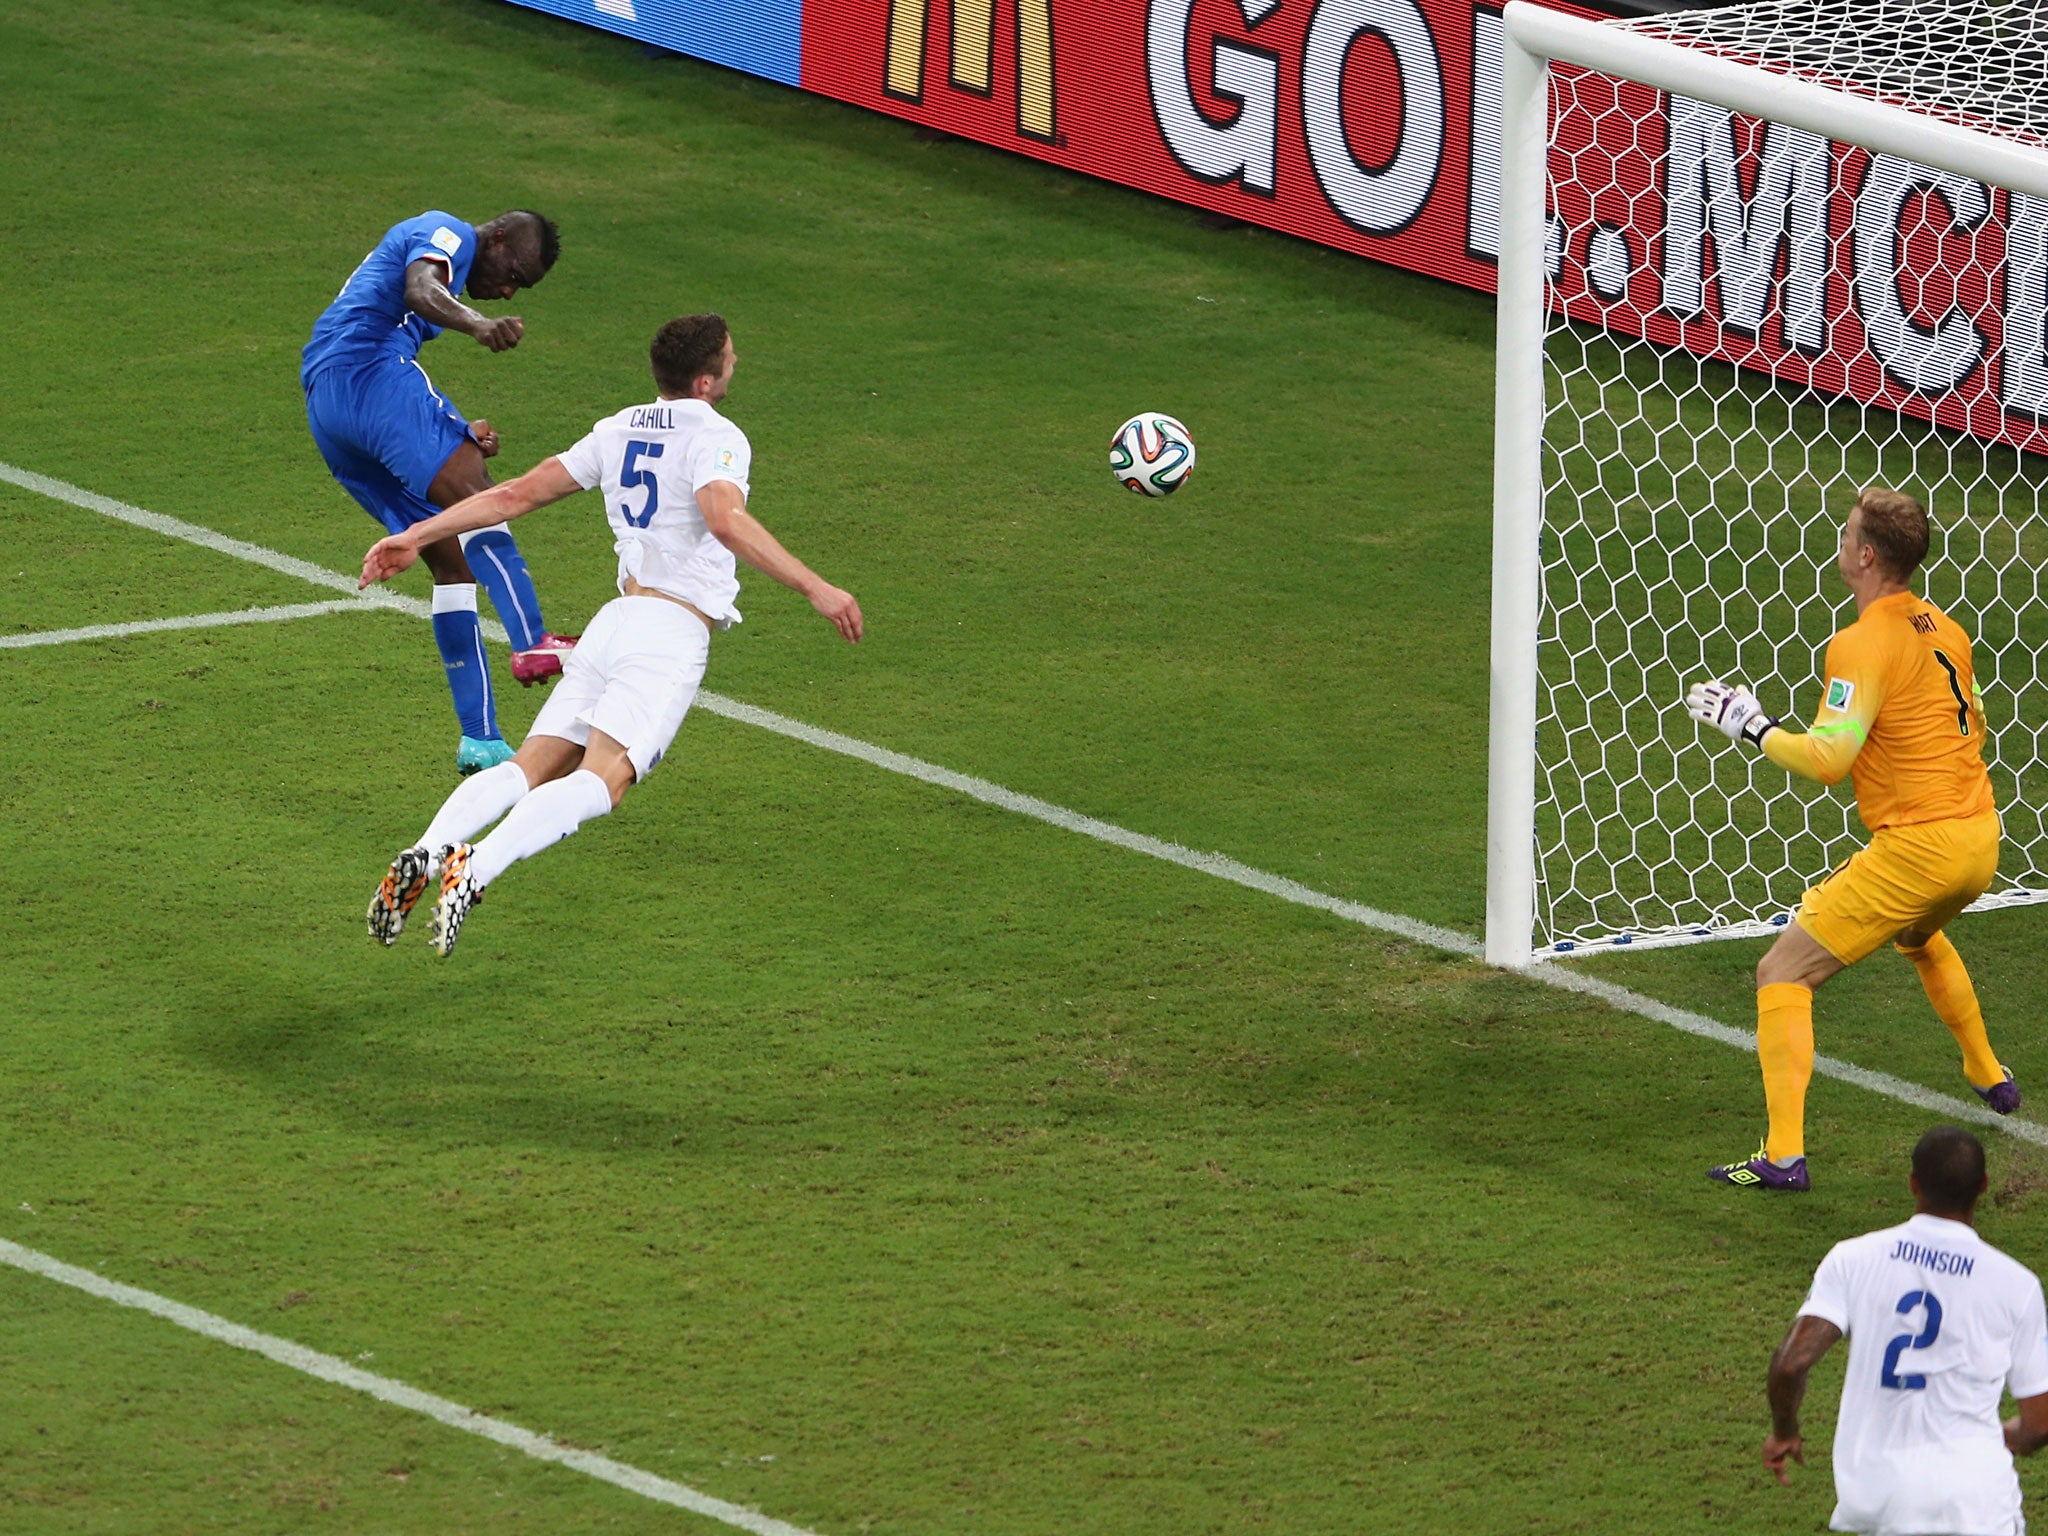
pixel 1909 877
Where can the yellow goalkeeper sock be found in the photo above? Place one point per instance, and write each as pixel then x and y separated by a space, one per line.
pixel 1784 1048
pixel 1948 988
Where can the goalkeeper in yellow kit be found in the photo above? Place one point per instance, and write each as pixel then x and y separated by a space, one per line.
pixel 1901 716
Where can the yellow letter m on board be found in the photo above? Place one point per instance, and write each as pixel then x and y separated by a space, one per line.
pixel 974 55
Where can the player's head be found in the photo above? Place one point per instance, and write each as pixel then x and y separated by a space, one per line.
pixel 1887 531
pixel 513 251
pixel 1948 1172
pixel 693 358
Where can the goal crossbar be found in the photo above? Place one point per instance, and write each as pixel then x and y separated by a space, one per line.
pixel 1756 92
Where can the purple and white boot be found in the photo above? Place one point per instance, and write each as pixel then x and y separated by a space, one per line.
pixel 1759 1172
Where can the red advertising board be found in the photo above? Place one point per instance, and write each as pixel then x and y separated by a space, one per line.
pixel 1848 272
pixel 1373 126
pixel 1349 122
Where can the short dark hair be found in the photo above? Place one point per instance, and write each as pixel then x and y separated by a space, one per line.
pixel 1894 525
pixel 550 236
pixel 685 350
pixel 1949 1163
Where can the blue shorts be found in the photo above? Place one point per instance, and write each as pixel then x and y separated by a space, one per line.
pixel 385 432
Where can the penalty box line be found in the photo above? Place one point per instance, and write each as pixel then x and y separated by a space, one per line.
pixel 278 615
pixel 207 538
pixel 1222 867
pixel 397 1393
pixel 1550 974
pixel 1219 866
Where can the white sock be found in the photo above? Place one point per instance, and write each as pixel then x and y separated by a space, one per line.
pixel 541 820
pixel 478 801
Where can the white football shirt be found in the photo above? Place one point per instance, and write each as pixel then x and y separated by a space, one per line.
pixel 1939 1323
pixel 652 460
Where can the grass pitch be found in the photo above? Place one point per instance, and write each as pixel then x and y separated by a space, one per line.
pixel 810 1136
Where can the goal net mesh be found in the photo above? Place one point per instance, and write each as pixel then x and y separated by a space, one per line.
pixel 1725 367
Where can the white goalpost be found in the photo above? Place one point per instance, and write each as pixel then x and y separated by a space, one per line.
pixel 1751 260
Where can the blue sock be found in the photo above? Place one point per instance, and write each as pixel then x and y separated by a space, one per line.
pixel 460 637
pixel 497 564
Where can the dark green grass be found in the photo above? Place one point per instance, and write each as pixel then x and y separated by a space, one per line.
pixel 983 1177
pixel 974 1174
pixel 936 343
pixel 67 570
pixel 198 1437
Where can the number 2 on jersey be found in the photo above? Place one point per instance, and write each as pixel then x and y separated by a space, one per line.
pixel 1890 1376
pixel 634 478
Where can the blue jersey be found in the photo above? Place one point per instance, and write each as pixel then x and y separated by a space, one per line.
pixel 368 318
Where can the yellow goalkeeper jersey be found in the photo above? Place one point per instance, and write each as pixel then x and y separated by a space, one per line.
pixel 1900 714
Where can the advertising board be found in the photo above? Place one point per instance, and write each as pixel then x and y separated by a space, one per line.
pixel 1374 126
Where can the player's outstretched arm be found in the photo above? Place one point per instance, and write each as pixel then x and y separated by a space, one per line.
pixel 1808 1340
pixel 726 515
pixel 546 482
pixel 427 295
pixel 1824 754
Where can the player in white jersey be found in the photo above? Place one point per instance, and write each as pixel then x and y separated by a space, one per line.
pixel 1940 1324
pixel 674 474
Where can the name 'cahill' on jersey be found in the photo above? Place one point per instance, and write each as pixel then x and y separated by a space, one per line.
pixel 1939 1324
pixel 651 461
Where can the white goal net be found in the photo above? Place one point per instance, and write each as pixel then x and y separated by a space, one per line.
pixel 1744 322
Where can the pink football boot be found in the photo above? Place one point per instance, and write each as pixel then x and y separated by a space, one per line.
pixel 542 663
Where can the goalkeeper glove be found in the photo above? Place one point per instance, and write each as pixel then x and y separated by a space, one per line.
pixel 1731 709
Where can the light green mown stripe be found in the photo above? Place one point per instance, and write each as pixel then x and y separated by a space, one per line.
pixel 1218 865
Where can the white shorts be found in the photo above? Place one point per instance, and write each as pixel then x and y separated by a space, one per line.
pixel 1954 1489
pixel 633 676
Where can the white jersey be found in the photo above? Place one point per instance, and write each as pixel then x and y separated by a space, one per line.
pixel 1939 1324
pixel 652 460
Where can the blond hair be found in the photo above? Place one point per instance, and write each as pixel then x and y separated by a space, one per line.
pixel 1895 525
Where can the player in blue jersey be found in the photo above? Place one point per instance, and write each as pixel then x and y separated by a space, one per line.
pixel 404 451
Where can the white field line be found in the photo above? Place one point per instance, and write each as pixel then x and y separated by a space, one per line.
pixel 206 538
pixel 1551 973
pixel 1218 865
pixel 396 1393
pixel 188 621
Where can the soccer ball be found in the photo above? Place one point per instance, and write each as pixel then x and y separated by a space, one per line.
pixel 1152 454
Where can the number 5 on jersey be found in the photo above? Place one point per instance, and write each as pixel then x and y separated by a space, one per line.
pixel 633 478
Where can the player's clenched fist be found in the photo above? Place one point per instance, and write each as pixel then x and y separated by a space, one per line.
pixel 502 333
pixel 1731 709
